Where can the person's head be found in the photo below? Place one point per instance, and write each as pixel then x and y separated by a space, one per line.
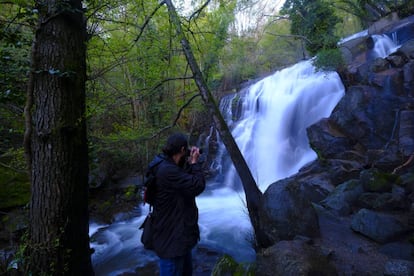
pixel 177 145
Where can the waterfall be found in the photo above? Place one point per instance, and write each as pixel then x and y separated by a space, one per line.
pixel 384 45
pixel 275 112
pixel 268 121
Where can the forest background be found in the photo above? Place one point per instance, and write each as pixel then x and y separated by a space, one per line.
pixel 139 85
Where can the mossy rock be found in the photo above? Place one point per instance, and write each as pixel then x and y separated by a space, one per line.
pixel 374 180
pixel 226 265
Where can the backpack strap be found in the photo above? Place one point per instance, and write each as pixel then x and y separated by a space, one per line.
pixel 152 167
pixel 150 188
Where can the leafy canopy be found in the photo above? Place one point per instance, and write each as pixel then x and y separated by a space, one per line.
pixel 314 21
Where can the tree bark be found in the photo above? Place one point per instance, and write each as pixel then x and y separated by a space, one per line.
pixel 252 192
pixel 58 241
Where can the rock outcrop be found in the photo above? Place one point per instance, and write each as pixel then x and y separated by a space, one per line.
pixel 362 184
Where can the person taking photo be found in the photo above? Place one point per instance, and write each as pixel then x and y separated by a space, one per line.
pixel 179 179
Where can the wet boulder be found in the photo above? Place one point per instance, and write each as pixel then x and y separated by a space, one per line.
pixel 406 132
pixel 287 212
pixel 326 140
pixel 407 49
pixel 295 257
pixel 384 201
pixel 399 268
pixel 408 71
pixel 380 227
pixel 396 60
pixel 343 197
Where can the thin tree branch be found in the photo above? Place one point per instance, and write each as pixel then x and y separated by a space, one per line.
pixel 410 159
pixel 174 123
pixel 10 22
pixel 96 10
pixel 11 168
pixel 147 20
pixel 198 11
pixel 167 80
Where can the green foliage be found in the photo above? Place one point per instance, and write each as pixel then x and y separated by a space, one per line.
pixel 15 41
pixel 369 11
pixel 277 48
pixel 237 64
pixel 14 188
pixel 14 261
pixel 11 129
pixel 404 8
pixel 265 50
pixel 228 266
pixel 130 192
pixel 112 153
pixel 329 60
pixel 213 28
pixel 383 180
pixel 314 21
pixel 14 181
pixel 139 78
pixel 374 180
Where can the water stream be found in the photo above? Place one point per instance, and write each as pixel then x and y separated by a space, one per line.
pixel 270 129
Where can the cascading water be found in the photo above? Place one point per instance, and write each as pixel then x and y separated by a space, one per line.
pixel 271 133
pixel 384 45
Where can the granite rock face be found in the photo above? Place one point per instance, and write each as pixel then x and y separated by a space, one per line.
pixel 362 184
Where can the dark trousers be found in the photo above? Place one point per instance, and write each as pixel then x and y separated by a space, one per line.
pixel 178 266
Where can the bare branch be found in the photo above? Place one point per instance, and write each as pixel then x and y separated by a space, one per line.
pixel 167 80
pixel 174 123
pixel 105 5
pixel 147 20
pixel 197 12
pixel 11 168
pixel 410 159
pixel 12 108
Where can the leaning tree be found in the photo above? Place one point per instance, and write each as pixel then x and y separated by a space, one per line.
pixel 252 191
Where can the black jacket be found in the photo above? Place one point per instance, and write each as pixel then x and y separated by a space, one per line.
pixel 175 214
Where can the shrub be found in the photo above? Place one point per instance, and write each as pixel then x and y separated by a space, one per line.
pixel 329 60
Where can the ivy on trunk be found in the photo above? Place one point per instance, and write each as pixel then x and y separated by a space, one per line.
pixel 56 144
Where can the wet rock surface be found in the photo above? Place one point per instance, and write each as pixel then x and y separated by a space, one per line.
pixel 365 165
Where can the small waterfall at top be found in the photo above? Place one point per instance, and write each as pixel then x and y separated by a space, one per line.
pixel 273 114
pixel 268 121
pixel 384 45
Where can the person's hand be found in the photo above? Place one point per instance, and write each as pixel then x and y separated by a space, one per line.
pixel 194 155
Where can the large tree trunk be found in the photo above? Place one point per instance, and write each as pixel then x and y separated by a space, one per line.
pixel 252 192
pixel 58 241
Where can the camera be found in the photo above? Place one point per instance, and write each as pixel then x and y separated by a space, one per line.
pixel 188 152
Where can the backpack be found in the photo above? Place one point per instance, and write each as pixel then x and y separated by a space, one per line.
pixel 150 187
